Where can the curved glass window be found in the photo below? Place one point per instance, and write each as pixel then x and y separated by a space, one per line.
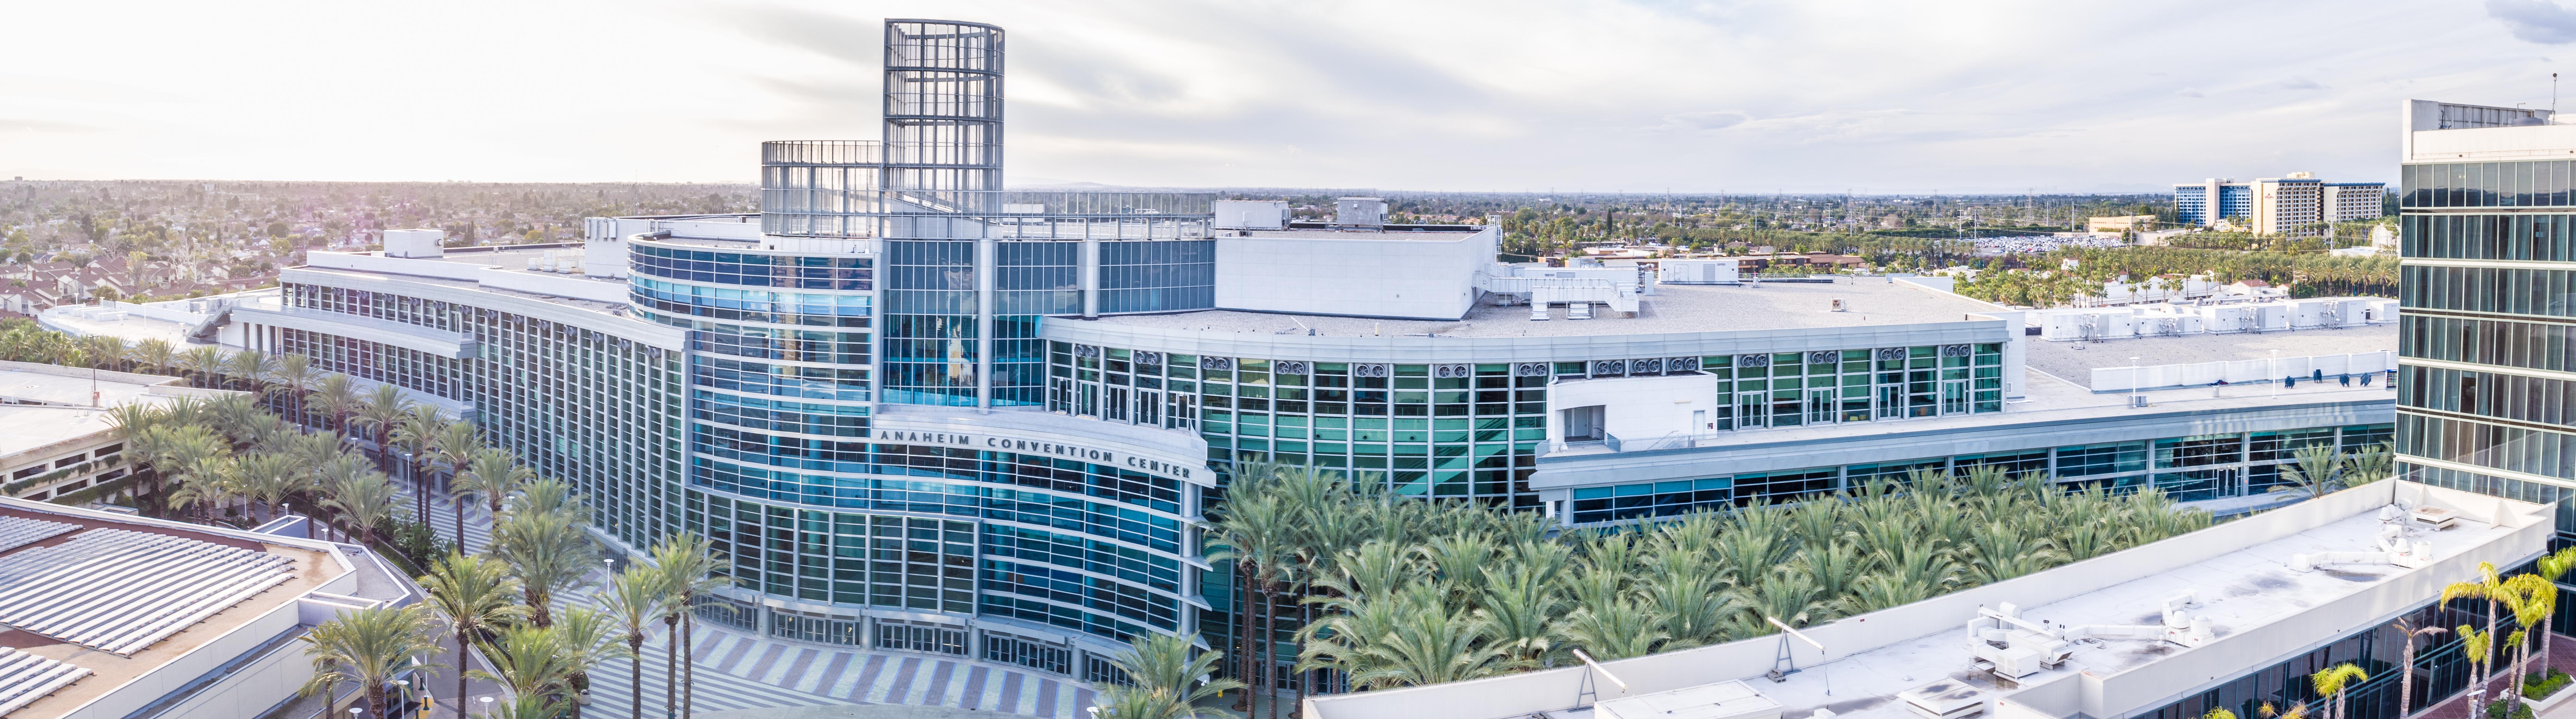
pixel 755 270
pixel 781 380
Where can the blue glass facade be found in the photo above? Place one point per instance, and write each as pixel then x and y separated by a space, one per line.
pixel 2191 204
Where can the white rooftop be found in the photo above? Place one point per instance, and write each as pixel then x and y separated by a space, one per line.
pixel 1672 309
pixel 44 404
pixel 2261 610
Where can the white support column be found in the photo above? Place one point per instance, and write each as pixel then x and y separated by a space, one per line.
pixel 986 255
pixel 1090 276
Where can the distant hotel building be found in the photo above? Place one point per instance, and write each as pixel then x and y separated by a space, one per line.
pixel 2276 205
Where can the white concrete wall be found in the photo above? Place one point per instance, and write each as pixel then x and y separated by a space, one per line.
pixel 1432 276
pixel 2114 379
pixel 1639 409
pixel 251 689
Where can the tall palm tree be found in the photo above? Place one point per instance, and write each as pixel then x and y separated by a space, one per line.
pixel 548 552
pixel 156 354
pixel 452 448
pixel 2406 662
pixel 491 475
pixel 413 432
pixel 2553 567
pixel 588 636
pixel 202 362
pixel 1170 673
pixel 336 396
pixel 2477 647
pixel 2333 681
pixel 364 497
pixel 1257 532
pixel 295 377
pixel 369 646
pixel 379 411
pixel 2531 599
pixel 2488 587
pixel 634 599
pixel 688 563
pixel 477 594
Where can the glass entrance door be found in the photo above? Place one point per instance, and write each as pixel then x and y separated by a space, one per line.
pixel 1116 407
pixel 1149 407
pixel 1891 401
pixel 1954 396
pixel 1820 405
pixel 1753 410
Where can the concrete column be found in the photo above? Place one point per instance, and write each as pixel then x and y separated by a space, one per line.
pixel 1090 276
pixel 986 255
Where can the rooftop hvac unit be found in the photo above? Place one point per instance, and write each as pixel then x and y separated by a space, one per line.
pixel 1359 212
pixel 1945 699
pixel 1839 306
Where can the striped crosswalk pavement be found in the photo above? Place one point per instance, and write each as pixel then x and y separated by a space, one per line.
pixel 739 670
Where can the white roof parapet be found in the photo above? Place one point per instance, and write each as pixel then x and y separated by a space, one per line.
pixel 2241 571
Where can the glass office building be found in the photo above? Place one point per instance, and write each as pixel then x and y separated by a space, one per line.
pixel 2486 287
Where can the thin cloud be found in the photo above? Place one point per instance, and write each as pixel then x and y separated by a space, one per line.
pixel 2540 21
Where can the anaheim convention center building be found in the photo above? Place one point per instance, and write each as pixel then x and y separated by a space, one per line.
pixel 922 413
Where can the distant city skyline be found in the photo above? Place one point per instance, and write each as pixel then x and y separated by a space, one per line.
pixel 1990 97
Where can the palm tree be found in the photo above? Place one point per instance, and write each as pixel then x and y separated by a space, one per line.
pixel 2477 647
pixel 1431 646
pixel 2488 587
pixel 2552 567
pixel 1257 532
pixel 492 475
pixel 688 563
pixel 209 483
pixel 156 354
pixel 380 410
pixel 2406 662
pixel 202 362
pixel 476 594
pixel 107 350
pixel 369 646
pixel 453 447
pixel 588 636
pixel 338 397
pixel 2312 471
pixel 530 661
pixel 548 552
pixel 2531 599
pixel 268 478
pixel 1171 673
pixel 295 376
pixel 2332 681
pixel 252 368
pixel 635 598
pixel 363 497
pixel 414 431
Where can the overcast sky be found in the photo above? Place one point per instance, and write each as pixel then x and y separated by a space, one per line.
pixel 1873 97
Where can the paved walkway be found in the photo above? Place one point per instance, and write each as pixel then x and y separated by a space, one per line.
pixel 740 670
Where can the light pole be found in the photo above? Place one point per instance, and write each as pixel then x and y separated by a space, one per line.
pixel 2273 367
